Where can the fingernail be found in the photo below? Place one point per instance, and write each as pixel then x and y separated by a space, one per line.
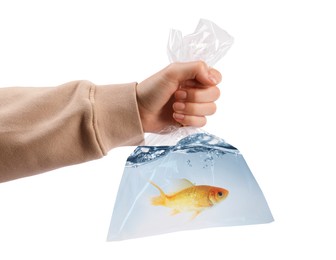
pixel 181 95
pixel 178 116
pixel 212 78
pixel 179 106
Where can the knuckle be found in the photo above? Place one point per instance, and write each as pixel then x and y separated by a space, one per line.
pixel 213 108
pixel 202 122
pixel 196 121
pixel 200 64
pixel 217 92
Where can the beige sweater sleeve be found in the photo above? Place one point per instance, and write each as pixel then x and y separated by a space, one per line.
pixel 46 128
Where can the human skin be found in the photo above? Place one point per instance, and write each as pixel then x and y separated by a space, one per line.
pixel 181 93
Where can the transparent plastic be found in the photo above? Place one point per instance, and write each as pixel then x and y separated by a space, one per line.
pixel 186 178
pixel 208 43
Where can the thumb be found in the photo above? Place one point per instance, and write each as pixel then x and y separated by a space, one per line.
pixel 196 70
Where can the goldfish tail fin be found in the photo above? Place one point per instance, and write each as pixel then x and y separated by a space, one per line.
pixel 159 200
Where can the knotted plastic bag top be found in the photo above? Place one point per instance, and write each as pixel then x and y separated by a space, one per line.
pixel 208 43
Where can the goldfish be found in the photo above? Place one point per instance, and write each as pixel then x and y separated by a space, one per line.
pixel 190 197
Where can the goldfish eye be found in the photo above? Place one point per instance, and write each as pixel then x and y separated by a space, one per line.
pixel 220 194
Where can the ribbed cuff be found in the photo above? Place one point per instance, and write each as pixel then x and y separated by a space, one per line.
pixel 116 116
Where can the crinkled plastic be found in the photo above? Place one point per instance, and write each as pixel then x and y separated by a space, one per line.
pixel 186 178
pixel 208 43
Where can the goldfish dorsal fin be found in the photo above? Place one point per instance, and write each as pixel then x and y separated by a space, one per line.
pixel 176 185
pixel 156 186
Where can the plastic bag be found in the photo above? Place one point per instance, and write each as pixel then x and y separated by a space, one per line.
pixel 208 43
pixel 187 178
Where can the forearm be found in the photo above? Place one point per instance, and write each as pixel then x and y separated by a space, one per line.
pixel 46 128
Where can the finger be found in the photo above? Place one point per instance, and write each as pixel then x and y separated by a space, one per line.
pixel 197 70
pixel 187 120
pixel 196 109
pixel 191 83
pixel 214 75
pixel 198 95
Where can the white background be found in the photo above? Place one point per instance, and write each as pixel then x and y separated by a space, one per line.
pixel 277 106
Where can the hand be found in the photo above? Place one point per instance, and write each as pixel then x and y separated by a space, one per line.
pixel 181 93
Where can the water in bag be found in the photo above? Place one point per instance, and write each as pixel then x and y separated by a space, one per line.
pixel 200 182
